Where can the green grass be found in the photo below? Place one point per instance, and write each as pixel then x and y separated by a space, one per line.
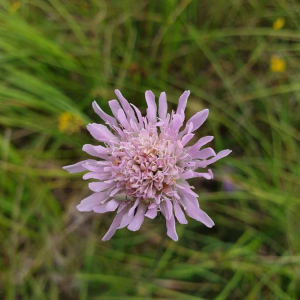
pixel 57 56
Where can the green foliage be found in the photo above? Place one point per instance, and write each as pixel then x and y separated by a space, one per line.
pixel 57 56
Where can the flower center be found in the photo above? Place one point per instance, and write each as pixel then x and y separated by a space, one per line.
pixel 146 166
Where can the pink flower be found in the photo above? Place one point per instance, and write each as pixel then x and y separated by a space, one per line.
pixel 144 164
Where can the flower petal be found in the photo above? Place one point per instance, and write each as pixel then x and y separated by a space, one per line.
pixel 95 167
pixel 93 200
pixel 201 142
pixel 99 176
pixel 138 219
pixel 100 186
pixel 102 150
pixel 114 107
pixel 179 213
pixel 104 116
pixel 76 168
pixel 166 208
pixel 132 209
pixel 101 132
pixel 182 103
pixel 177 122
pixel 163 106
pixel 191 174
pixel 193 210
pixel 90 149
pixel 151 213
pixel 126 106
pixel 205 163
pixel 126 220
pixel 204 154
pixel 152 108
pixel 205 175
pixel 199 215
pixel 122 119
pixel 112 205
pixel 198 119
pixel 186 138
pixel 220 155
pixel 101 209
pixel 114 225
pixel 171 229
pixel 139 115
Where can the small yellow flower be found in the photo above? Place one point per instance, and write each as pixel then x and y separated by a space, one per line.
pixel 69 123
pixel 277 64
pixel 278 24
pixel 14 7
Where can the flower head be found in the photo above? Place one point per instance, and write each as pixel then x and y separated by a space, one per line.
pixel 277 64
pixel 145 163
pixel 14 7
pixel 278 24
pixel 69 123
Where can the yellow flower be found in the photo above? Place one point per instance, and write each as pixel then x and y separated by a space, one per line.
pixel 69 123
pixel 277 64
pixel 278 24
pixel 14 7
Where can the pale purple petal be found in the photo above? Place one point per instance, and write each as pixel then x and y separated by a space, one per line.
pixel 132 209
pixel 102 150
pixel 176 124
pixel 199 215
pixel 114 107
pixel 105 117
pixel 205 175
pixel 184 186
pixel 93 200
pixel 201 142
pixel 99 176
pixel 94 167
pixel 122 119
pixel 198 119
pixel 119 113
pixel 112 205
pixel 163 106
pixel 151 213
pixel 186 138
pixel 193 210
pixel 101 132
pixel 91 150
pixel 99 186
pixel 187 174
pixel 171 229
pixel 179 213
pixel 166 208
pixel 221 154
pixel 192 174
pixel 152 108
pixel 138 219
pixel 205 153
pixel 126 106
pixel 139 115
pixel 101 209
pixel 77 168
pixel 114 225
pixel 126 220
pixel 182 103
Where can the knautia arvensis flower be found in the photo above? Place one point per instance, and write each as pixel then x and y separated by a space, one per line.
pixel 144 163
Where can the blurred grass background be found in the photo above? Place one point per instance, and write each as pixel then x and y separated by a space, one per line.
pixel 239 58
